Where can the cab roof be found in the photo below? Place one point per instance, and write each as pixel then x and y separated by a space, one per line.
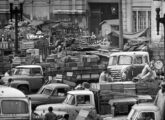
pixel 129 53
pixel 55 85
pixel 28 66
pixel 145 107
pixel 10 92
pixel 81 92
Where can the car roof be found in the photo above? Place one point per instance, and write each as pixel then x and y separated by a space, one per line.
pixel 55 85
pixel 129 53
pixel 28 66
pixel 145 107
pixel 81 92
pixel 10 92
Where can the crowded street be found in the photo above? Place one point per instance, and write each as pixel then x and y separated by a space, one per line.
pixel 82 60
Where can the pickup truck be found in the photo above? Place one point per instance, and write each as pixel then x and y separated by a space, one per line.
pixel 92 101
pixel 153 111
pixel 126 65
pixel 26 78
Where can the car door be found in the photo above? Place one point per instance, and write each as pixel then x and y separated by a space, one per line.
pixel 58 95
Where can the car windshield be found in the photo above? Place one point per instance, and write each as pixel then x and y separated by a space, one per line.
pixel 22 107
pixel 131 114
pixel 70 99
pixel 125 60
pixel 45 91
pixel 22 71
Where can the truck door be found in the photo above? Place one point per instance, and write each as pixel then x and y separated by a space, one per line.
pixel 36 78
pixel 138 65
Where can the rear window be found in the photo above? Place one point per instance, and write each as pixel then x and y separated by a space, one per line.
pixel 14 107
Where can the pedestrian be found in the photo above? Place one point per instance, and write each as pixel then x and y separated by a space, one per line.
pixel 103 76
pixel 160 100
pixel 50 115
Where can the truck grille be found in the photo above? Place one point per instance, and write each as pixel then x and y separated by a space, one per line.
pixel 116 75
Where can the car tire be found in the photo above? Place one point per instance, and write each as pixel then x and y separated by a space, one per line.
pixel 24 89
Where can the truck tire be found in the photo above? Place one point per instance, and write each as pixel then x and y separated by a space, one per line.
pixel 24 89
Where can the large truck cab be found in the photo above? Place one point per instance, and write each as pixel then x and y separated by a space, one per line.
pixel 126 65
pixel 144 112
pixel 14 104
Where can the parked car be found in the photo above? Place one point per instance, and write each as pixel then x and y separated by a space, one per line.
pixel 50 93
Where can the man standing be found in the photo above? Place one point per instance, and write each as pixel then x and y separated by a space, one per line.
pixel 160 100
pixel 50 115
pixel 103 76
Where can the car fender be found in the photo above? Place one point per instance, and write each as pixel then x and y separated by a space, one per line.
pixel 17 83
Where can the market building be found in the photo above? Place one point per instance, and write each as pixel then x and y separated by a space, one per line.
pixel 90 14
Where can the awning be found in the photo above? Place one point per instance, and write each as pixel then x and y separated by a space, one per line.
pixel 69 11
pixel 130 35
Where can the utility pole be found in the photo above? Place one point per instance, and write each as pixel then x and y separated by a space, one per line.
pixel 120 25
pixel 160 20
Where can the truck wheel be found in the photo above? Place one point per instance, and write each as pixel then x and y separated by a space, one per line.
pixel 24 89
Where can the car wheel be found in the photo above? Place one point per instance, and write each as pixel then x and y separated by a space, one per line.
pixel 24 89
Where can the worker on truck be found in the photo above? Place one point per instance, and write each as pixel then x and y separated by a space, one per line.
pixel 148 72
pixel 160 100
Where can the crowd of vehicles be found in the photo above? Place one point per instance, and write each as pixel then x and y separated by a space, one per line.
pixel 124 66
pixel 92 101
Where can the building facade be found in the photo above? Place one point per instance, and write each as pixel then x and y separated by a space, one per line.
pixel 137 15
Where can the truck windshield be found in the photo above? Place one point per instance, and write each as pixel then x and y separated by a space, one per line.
pixel 125 60
pixel 14 107
pixel 120 60
pixel 27 71
pixel 70 99
pixel 131 114
pixel 113 60
pixel 22 71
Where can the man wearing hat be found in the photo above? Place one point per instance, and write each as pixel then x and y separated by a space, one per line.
pixel 160 99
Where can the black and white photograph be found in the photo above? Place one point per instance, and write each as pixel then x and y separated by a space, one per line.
pixel 82 59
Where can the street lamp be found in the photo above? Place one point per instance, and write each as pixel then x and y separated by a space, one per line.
pixel 158 21
pixel 16 11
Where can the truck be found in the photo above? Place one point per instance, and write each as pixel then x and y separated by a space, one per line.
pixel 27 78
pixel 152 111
pixel 124 66
pixel 14 104
pixel 94 101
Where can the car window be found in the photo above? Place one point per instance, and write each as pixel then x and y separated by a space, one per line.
pixel 61 92
pixel 83 99
pixel 146 59
pixel 36 71
pixel 138 60
pixel 146 116
pixel 47 91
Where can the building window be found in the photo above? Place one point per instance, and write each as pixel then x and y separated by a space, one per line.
pixel 141 20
